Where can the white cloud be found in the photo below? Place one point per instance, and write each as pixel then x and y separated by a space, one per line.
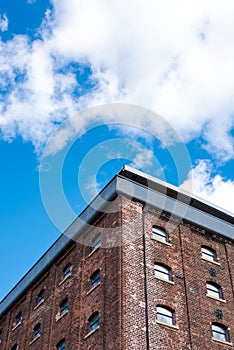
pixel 143 158
pixel 3 23
pixel 35 96
pixel 140 156
pixel 214 189
pixel 172 57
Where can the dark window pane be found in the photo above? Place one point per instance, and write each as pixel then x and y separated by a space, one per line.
pixel 18 318
pixel 64 307
pixel 15 347
pixel 67 271
pixel 93 321
pixel 61 345
pixel 37 330
pixel 95 278
pixel 41 296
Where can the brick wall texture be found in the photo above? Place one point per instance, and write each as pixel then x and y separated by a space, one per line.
pixel 129 292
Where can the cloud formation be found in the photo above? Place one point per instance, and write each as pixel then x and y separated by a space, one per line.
pixel 172 57
pixel 3 23
pixel 215 189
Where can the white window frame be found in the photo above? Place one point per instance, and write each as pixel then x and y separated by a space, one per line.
pixel 209 254
pixel 213 290
pixel 165 315
pixel 162 271
pixel 220 332
pixel 159 234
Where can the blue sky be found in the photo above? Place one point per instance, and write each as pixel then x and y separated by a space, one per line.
pixel 60 57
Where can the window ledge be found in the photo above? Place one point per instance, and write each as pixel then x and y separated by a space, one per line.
pixel 211 261
pixel 16 326
pixel 93 251
pixel 65 278
pixel 158 240
pixel 218 299
pixel 167 325
pixel 222 341
pixel 34 339
pixel 90 291
pixel 90 333
pixel 61 316
pixel 39 304
pixel 164 280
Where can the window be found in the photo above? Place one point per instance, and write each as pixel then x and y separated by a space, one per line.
pixel 67 271
pixel 15 347
pixel 208 253
pixel 93 321
pixel 64 307
pixel 213 290
pixel 41 296
pixel 37 331
pixel 18 318
pixel 219 332
pixel 162 271
pixel 95 278
pixel 61 345
pixel 96 243
pixel 165 315
pixel 160 234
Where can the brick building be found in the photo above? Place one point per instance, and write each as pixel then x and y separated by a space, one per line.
pixel 151 269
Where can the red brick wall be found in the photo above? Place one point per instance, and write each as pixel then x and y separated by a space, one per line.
pixel 121 296
pixel 161 292
pixel 194 311
pixel 202 308
pixel 133 311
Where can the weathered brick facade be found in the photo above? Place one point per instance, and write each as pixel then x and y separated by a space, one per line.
pixel 129 292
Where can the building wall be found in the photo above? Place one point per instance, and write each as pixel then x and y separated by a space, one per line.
pixel 72 326
pixel 133 303
pixel 164 293
pixel 197 272
pixel 186 295
pixel 129 292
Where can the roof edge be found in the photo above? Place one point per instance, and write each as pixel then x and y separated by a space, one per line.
pixel 176 192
